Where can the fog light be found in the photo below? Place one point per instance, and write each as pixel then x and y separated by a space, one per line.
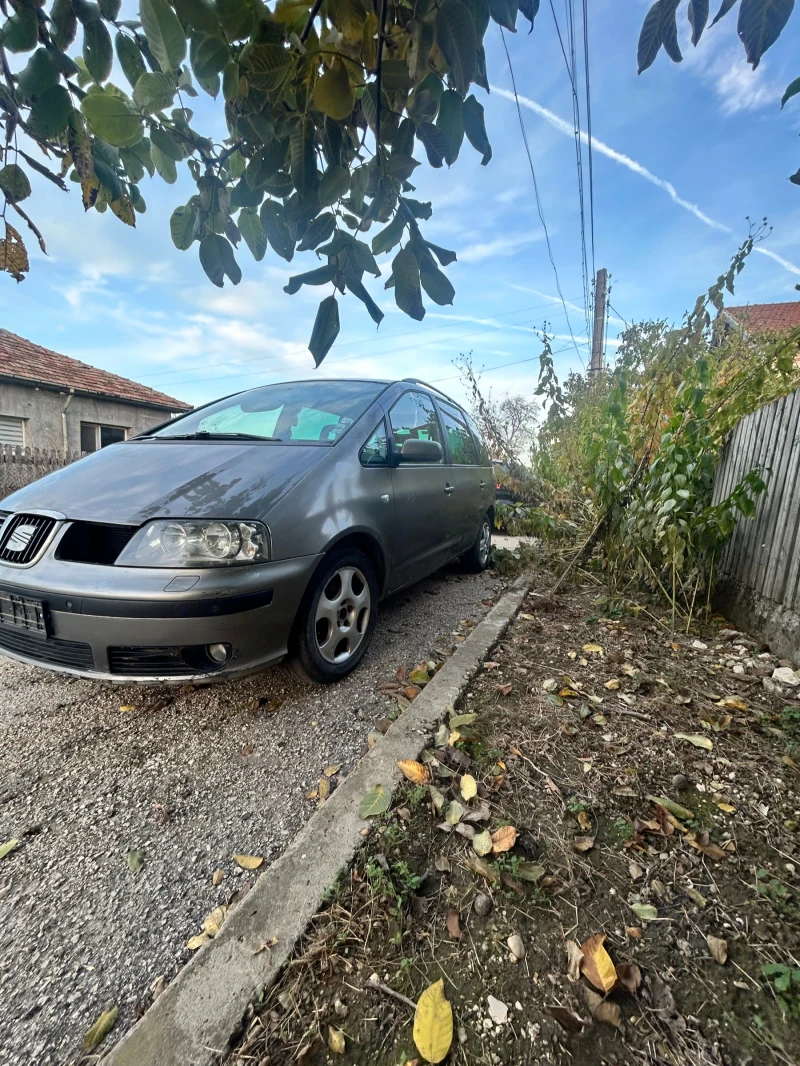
pixel 219 653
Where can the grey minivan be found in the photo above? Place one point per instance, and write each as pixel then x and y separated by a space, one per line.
pixel 267 523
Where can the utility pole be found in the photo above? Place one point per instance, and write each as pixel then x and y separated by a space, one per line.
pixel 600 283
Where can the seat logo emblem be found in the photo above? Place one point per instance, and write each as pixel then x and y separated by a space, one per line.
pixel 20 538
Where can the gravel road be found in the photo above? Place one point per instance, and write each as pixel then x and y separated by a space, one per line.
pixel 84 780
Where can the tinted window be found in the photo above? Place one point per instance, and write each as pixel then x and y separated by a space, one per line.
pixel 296 411
pixel 376 451
pixel 462 447
pixel 483 452
pixel 414 417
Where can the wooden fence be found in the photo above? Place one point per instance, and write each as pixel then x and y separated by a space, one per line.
pixel 759 572
pixel 21 466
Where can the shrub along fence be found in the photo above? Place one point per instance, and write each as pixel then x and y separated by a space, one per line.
pixel 758 584
pixel 21 466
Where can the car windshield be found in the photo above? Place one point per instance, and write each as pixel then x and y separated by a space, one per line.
pixel 318 411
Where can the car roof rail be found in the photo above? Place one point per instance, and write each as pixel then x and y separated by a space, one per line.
pixel 419 381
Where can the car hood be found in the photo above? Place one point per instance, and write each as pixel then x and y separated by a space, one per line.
pixel 133 482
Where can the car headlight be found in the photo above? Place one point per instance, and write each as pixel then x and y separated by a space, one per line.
pixel 169 543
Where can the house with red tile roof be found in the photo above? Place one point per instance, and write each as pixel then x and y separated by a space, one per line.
pixel 764 318
pixel 59 404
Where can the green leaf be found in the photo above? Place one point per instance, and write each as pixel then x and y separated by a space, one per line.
pixel 181 226
pixel 112 119
pixel 669 29
pixel 645 911
pixel 475 128
pixel 129 56
pixel 266 164
pixel 65 23
pixel 649 37
pixel 333 184
pixel 100 1030
pixel 530 9
pixel 164 164
pixel 357 287
pixel 418 208
pixel 243 196
pixel 303 155
pixel 8 847
pixel 49 116
pixel 374 802
pixel 98 52
pixel 237 17
pixel 698 17
pixel 318 232
pixel 164 33
pixel 435 142
pixel 167 144
pixel 390 236
pixel 455 35
pixel 154 92
pixel 208 55
pixel 401 166
pixel 724 8
pixel 39 74
pixel 321 276
pixel 198 15
pixel 407 293
pixel 273 221
pixel 333 93
pixel 792 90
pixel 21 31
pixel 267 65
pixel 504 12
pixel 437 285
pixel 109 9
pixel 760 24
pixel 253 232
pixel 324 333
pixel 217 259
pixel 444 255
pixel 107 177
pixel 135 861
pixel 450 123
pixel 14 183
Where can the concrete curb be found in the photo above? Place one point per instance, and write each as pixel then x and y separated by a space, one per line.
pixel 193 1020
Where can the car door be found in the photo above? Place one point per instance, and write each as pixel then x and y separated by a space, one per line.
pixel 376 484
pixel 467 477
pixel 425 529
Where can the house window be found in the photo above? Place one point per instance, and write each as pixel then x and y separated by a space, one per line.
pixel 12 430
pixel 94 437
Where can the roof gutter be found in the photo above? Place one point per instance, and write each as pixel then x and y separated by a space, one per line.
pixel 33 383
pixel 64 423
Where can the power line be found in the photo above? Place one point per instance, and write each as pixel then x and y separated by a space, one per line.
pixel 350 344
pixel 503 366
pixel 538 198
pixel 588 120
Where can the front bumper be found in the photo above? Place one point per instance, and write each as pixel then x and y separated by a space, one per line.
pixel 118 623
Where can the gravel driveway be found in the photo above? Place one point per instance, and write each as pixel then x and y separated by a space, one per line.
pixel 85 779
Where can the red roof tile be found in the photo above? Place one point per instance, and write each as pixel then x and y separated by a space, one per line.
pixel 22 359
pixel 777 318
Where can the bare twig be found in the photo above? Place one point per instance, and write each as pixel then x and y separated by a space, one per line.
pixel 310 20
pixel 378 986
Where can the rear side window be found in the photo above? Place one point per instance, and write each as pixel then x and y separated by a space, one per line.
pixel 414 417
pixel 484 459
pixel 463 451
pixel 376 451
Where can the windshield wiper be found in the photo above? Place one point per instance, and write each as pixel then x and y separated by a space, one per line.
pixel 204 434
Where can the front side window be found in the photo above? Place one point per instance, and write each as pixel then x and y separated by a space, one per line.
pixel 414 417
pixel 376 451
pixel 299 411
pixel 484 459
pixel 462 447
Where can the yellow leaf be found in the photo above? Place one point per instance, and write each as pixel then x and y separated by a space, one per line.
pixel 8 847
pixel 469 787
pixel 323 790
pixel 213 923
pixel 592 649
pixel 597 965
pixel 612 685
pixel 248 862
pixel 126 708
pixel 454 736
pixel 335 1040
pixel 572 655
pixel 696 739
pixel 482 842
pixel 100 1030
pixel 734 703
pixel 123 209
pixel 503 839
pixel 433 1024
pixel 568 693
pixel 313 794
pixel 217 877
pixel 196 942
pixel 333 93
pixel 728 808
pixel 414 771
pixel 331 771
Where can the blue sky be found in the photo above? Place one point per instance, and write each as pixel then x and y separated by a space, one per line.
pixel 682 155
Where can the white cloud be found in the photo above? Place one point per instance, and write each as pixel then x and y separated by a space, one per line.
pixel 500 246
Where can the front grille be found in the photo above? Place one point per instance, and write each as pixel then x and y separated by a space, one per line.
pixel 161 662
pixel 23 536
pixel 55 652
pixel 92 542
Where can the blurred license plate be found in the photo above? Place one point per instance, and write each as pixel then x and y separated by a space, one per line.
pixel 20 612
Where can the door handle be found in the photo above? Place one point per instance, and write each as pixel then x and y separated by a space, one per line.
pixel 483 485
pixel 385 497
pixel 449 488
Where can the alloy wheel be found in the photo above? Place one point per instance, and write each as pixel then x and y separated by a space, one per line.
pixel 342 615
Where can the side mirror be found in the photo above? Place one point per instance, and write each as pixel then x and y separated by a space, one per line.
pixel 421 451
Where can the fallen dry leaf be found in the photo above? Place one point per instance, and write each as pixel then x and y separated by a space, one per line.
pixel 433 1023
pixel 100 1030
pixel 469 787
pixel 634 932
pixel 635 870
pixel 491 666
pixel 597 966
pixel 454 924
pixel 581 844
pixel 574 960
pixel 503 839
pixel 697 739
pixel 552 786
pixel 482 842
pixel 482 867
pixel 217 877
pixel 214 922
pixel 604 1010
pixel 630 976
pixel 612 685
pixel 442 864
pixel 335 1040
pixel 414 771
pixel 248 862
pixel 195 942
pixel 718 948
pixel 584 821
pixel 567 1019
pixel 323 790
pixel 504 690
pixel 330 771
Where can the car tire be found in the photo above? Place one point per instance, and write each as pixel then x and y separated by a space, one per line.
pixel 336 619
pixel 480 553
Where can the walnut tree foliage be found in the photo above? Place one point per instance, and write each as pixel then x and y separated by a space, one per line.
pixel 759 25
pixel 325 107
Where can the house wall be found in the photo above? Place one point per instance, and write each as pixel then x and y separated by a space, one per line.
pixel 42 409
